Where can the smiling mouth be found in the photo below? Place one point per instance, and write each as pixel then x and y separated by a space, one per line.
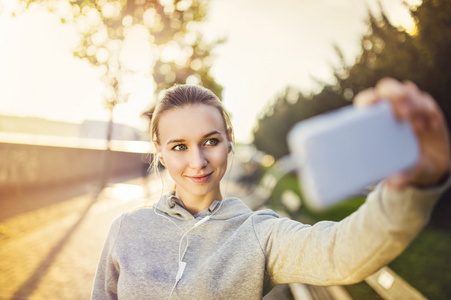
pixel 201 178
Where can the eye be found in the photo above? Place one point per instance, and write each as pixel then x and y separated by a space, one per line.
pixel 179 147
pixel 211 142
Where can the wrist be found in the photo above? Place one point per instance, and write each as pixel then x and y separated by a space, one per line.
pixel 433 183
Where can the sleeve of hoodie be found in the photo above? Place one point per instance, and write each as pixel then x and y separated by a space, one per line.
pixel 345 252
pixel 107 275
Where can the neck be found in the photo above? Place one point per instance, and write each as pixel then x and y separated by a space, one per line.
pixel 197 203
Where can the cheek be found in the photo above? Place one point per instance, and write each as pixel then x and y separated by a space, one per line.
pixel 174 163
pixel 219 158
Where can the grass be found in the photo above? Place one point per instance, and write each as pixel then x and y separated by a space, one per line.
pixel 425 264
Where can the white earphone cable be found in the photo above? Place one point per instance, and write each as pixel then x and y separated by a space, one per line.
pixel 181 263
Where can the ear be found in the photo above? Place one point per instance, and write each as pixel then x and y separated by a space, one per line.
pixel 162 160
pixel 159 153
pixel 229 137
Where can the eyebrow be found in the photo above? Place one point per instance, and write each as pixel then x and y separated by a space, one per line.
pixel 173 141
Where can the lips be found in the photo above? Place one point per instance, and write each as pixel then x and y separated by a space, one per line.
pixel 200 178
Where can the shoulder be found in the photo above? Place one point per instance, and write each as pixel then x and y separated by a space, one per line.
pixel 131 217
pixel 138 215
pixel 263 216
pixel 264 220
pixel 232 207
pixel 267 222
pixel 237 207
pixel 138 212
pixel 266 213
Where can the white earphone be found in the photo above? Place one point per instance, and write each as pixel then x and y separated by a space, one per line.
pixel 233 148
pixel 157 158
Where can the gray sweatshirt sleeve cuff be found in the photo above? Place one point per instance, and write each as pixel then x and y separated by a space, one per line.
pixel 424 198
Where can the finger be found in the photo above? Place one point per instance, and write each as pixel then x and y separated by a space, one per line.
pixel 423 112
pixel 390 87
pixel 398 94
pixel 435 118
pixel 419 105
pixel 411 85
pixel 408 101
pixel 365 98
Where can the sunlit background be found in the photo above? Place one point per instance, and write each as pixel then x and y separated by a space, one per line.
pixel 78 79
pixel 267 47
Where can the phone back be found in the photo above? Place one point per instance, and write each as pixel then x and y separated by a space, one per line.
pixel 340 153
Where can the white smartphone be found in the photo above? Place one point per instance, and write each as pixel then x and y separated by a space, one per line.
pixel 340 153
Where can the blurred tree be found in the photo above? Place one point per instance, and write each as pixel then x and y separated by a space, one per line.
pixel 386 51
pixel 123 38
pixel 421 56
pixel 289 108
pixel 433 38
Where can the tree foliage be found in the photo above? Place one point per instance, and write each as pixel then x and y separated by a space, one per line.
pixel 158 38
pixel 421 56
pixel 288 108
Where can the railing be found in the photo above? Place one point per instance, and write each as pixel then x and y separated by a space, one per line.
pixel 31 161
pixel 75 142
pixel 385 282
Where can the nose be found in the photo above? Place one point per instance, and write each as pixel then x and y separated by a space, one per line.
pixel 198 159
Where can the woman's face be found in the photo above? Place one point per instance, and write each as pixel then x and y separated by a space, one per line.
pixel 194 144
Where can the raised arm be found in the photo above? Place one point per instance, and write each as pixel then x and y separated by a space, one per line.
pixel 331 253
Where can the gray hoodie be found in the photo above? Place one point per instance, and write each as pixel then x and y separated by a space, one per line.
pixel 241 254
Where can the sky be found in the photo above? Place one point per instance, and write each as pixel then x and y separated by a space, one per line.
pixel 269 46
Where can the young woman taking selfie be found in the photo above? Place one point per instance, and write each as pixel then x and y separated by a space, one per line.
pixel 196 244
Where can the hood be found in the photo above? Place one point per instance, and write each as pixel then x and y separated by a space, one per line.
pixel 231 207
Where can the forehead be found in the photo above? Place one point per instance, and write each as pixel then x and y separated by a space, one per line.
pixel 190 122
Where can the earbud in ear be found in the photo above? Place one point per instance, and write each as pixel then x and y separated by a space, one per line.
pixel 232 147
pixel 157 158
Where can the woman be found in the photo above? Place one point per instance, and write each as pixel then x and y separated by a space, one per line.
pixel 193 244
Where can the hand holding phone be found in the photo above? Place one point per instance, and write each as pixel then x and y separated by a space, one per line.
pixel 339 154
pixel 421 110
